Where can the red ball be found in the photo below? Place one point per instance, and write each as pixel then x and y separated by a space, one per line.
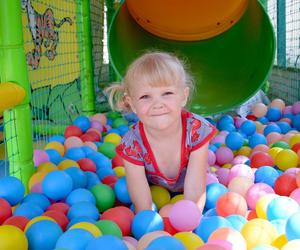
pixel 5 210
pixel 296 147
pixel 59 206
pixel 285 184
pixel 251 117
pixel 122 216
pixel 251 214
pixel 117 161
pixel 87 164
pixel 72 130
pixel 17 221
pixel 86 137
pixel 60 218
pixel 94 135
pixel 110 180
pixel 168 226
pixel 260 159
pixel 231 203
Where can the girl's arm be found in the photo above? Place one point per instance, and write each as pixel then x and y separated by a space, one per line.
pixel 195 180
pixel 138 187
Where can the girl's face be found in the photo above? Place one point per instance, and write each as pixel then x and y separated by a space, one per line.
pixel 158 107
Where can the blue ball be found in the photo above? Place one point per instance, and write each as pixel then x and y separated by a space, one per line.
pixel 257 139
pixel 80 219
pixel 212 148
pixel 267 175
pixel 11 189
pixel 106 242
pixel 54 156
pixel 292 227
pixel 211 212
pixel 284 127
pixel 229 127
pixel 92 179
pixel 121 190
pixel 43 234
pixel 272 127
pixel 123 129
pixel 87 150
pixel 280 225
pixel 146 221
pixel 37 199
pixel 83 209
pixel 273 114
pixel 213 192
pixel 113 130
pixel 79 195
pixel 28 210
pixel 263 120
pixel 248 127
pixel 75 239
pixel 100 160
pixel 57 185
pixel 165 243
pixel 78 177
pixel 58 138
pixel 281 207
pixel 104 172
pixel 223 121
pixel 82 122
pixel 209 224
pixel 237 221
pixel 74 154
pixel 296 122
pixel 234 140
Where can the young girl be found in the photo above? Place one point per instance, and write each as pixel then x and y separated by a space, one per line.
pixel 169 145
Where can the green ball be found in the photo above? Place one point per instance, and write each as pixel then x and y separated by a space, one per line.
pixel 108 227
pixel 108 149
pixel 113 115
pixel 118 122
pixel 104 195
pixel 281 144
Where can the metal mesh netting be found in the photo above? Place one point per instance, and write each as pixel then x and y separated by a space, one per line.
pixel 52 56
pixel 285 77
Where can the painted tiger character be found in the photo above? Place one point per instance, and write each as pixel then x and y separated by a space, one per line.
pixel 43 32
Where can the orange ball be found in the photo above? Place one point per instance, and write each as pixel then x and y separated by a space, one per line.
pixel 259 109
pixel 231 203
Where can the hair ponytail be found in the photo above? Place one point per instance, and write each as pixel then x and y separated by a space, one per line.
pixel 116 97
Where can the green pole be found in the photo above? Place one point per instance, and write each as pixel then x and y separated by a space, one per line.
pixel 86 59
pixel 13 68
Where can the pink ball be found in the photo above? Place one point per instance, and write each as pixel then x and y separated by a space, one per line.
pixel 292 171
pixel 273 137
pixel 278 103
pixel 296 195
pixel 211 158
pixel 90 144
pixel 218 139
pixel 73 141
pixel 36 188
pixel 211 178
pixel 260 148
pixel 296 108
pixel 165 210
pixel 238 121
pixel 100 118
pixel 241 170
pixel 287 110
pixel 240 159
pixel 255 192
pixel 39 157
pixel 259 109
pixel 224 155
pixel 131 240
pixel 223 175
pixel 184 215
pixel 97 125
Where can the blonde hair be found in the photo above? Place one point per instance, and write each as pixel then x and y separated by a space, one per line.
pixel 152 68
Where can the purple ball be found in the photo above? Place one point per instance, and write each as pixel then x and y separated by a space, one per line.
pixel 296 108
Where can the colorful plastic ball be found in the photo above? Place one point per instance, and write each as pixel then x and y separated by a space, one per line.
pixel 273 114
pixel 57 146
pixel 113 138
pixel 72 130
pixel 278 103
pixel 88 226
pixel 240 170
pixel 223 175
pixel 106 242
pixel 73 142
pixel 267 175
pixel 292 226
pixel 120 171
pixel 59 206
pixel 259 109
pixel 257 139
pixel 79 195
pixel 60 218
pixel 121 191
pixel 296 122
pixel 286 159
pixel 38 199
pixel 67 163
pixel 248 127
pixel 231 203
pixel 284 127
pixel 39 157
pixel 46 167
pixel 74 154
pixel 262 205
pixel 122 216
pixel 108 149
pixel 209 224
pixel 213 192
pixel 146 221
pixel 160 196
pixel 108 227
pixel 100 118
pixel 273 137
pixel 189 240
pixel 263 120
pixel 17 221
pixel 83 209
pixel 237 221
pixel 296 108
pixel 257 232
pixel 285 184
pixel 185 215
pixel 223 121
pixel 260 159
pixel 255 192
pixel 281 207
pixel 119 122
pixel 100 160
pixel 104 195
pixel 281 144
pixel 82 122
pixel 78 177
pixel 165 243
pixel 87 164
pixel 92 179
pixel 12 237
pixel 240 185
pixel 149 237
pixel 48 233
pixel 291 245
pixel 234 140
pixel 74 239
pixel 57 185
pixel 28 210
pixel 224 155
pixel 272 127
pixel 5 210
pixel 11 189
pixel 54 156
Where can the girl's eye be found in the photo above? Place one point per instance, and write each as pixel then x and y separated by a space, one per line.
pixel 168 93
pixel 144 97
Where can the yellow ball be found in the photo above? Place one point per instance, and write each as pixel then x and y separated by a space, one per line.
pixel 160 196
pixel 258 232
pixel 12 238
pixel 286 159
pixel 291 245
pixel 190 240
pixel 36 219
pixel 57 146
pixel 262 205
pixel 245 150
pixel 120 171
pixel 67 164
pixel 280 241
pixel 113 138
pixel 294 139
pixel 273 152
pixel 227 165
pixel 36 178
pixel 176 198
pixel 90 227
pixel 46 167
